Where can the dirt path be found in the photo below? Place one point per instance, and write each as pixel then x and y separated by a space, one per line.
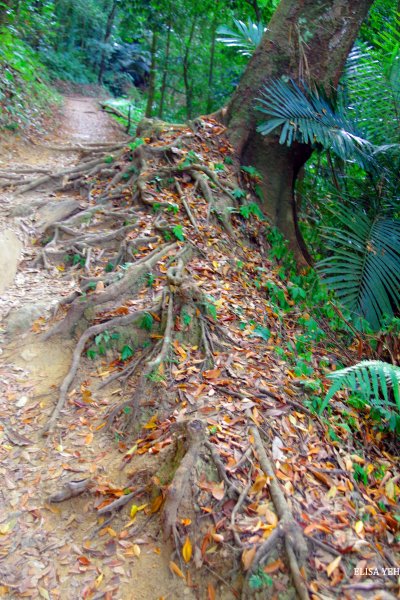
pixel 61 550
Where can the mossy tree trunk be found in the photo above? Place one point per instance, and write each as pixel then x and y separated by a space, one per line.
pixel 306 39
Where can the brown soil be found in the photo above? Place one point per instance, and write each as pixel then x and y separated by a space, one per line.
pixel 61 550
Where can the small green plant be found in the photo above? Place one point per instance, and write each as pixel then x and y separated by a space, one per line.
pixel 108 159
pixel 173 208
pixel 155 376
pixel 136 143
pixel 177 230
pixel 190 158
pixel 150 279
pixel 210 307
pixel 262 332
pixel 146 322
pixel 252 171
pixel 360 474
pixel 259 580
pixel 126 352
pixel 377 385
pixel 251 209
pixel 238 193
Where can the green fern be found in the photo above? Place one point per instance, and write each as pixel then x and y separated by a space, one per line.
pixel 373 380
pixel 364 268
pixel 246 37
pixel 310 118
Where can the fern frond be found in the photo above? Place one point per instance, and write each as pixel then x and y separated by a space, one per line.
pixel 374 380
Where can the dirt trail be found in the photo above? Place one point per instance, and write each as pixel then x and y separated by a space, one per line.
pixel 61 550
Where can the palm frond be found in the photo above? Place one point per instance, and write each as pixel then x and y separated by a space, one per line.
pixel 372 93
pixel 364 269
pixel 375 381
pixel 245 37
pixel 307 116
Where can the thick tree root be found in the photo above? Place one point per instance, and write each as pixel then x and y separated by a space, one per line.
pixel 89 333
pixel 194 437
pixel 287 528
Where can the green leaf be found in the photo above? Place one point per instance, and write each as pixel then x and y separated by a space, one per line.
pixel 262 332
pixel 177 230
pixel 146 322
pixel 126 352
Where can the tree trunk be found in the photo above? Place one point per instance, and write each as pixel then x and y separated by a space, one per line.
pixel 212 59
pixel 166 65
pixel 309 39
pixel 107 35
pixel 186 78
pixel 152 81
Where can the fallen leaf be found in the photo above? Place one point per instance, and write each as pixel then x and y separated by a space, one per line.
pixel 333 565
pixel 175 569
pixel 248 557
pixel 187 550
pixel 259 484
pixel 212 374
pixel 211 592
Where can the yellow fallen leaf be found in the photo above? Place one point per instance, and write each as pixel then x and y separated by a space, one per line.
pixel 136 549
pixel 259 484
pixel 333 565
pixel 7 527
pixel 359 527
pixel 151 424
pixel 99 579
pixel 390 489
pixel 187 550
pixel 89 439
pixel 175 569
pixel 133 511
pixel 248 557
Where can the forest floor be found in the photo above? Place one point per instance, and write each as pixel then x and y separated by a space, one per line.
pixel 54 550
pixel 272 478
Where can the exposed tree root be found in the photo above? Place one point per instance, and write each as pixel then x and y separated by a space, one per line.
pixel 89 333
pixel 287 528
pixel 155 237
pixel 194 438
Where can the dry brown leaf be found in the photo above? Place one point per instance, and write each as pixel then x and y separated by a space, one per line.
pixel 248 557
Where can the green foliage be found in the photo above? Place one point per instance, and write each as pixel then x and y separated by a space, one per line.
pixel 364 269
pixel 24 90
pixel 309 117
pixel 252 171
pixel 177 230
pixel 150 279
pixel 126 352
pixel 378 385
pixel 251 209
pixel 146 322
pixel 262 332
pixel 245 38
pixel 239 193
pixel 260 580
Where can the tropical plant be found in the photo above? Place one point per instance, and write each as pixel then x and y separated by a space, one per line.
pixel 311 118
pixel 245 37
pixel 364 267
pixel 378 385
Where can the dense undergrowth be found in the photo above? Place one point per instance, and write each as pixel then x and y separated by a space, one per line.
pixel 26 94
